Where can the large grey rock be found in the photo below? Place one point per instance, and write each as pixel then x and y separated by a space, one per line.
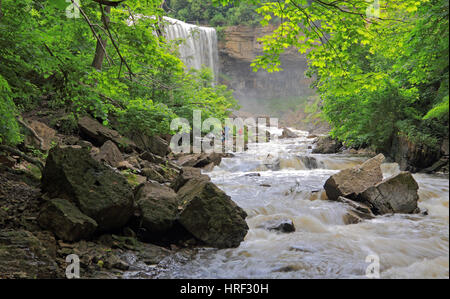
pixel 185 175
pixel 200 160
pixel 158 207
pixel 66 221
pixel 279 225
pixel 397 194
pixel 99 134
pixel 110 154
pixel 22 255
pixel 98 191
pixel 288 134
pixel 46 134
pixel 350 182
pixel 326 145
pixel 210 215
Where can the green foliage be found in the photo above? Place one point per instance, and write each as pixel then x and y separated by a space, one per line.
pixel 379 73
pixel 206 12
pixel 47 58
pixel 9 128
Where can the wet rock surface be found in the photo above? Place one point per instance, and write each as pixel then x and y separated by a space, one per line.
pixel 326 145
pixel 210 215
pixel 158 207
pixel 350 182
pixel 397 194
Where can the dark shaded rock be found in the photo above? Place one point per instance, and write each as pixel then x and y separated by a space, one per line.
pixel 288 134
pixel 441 165
pixel 350 182
pixel 99 134
pixel 7 161
pixel 66 221
pixel 110 154
pixel 358 206
pixel 209 167
pixel 256 174
pixel 158 146
pixel 283 225
pixel 326 145
pixel 22 255
pixel 154 175
pixel 309 162
pixel 185 175
pixel 210 215
pixel 200 160
pixel 97 190
pixel 411 156
pixel 445 151
pixel 397 194
pixel 3 217
pixel 158 207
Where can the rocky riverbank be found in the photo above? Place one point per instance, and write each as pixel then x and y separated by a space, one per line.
pixel 106 197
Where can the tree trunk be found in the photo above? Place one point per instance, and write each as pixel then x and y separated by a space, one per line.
pixel 99 53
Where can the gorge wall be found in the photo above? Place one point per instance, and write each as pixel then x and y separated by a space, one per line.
pixel 281 94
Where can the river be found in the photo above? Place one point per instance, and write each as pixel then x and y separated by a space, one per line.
pixel 323 246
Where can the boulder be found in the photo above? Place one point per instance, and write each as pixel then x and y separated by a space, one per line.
pixel 152 174
pixel 22 255
pixel 45 133
pixel 97 190
pixel 326 145
pixel 109 154
pixel 200 160
pixel 279 225
pixel 99 134
pixel 158 207
pixel 397 194
pixel 66 221
pixel 153 144
pixel 288 134
pixel 185 175
pixel 7 161
pixel 412 156
pixel 350 182
pixel 357 213
pixel 210 215
pixel 158 146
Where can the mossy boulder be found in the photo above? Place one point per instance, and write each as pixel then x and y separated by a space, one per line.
pixel 66 221
pixel 98 191
pixel 158 207
pixel 210 215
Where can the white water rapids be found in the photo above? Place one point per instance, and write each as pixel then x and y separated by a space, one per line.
pixel 408 246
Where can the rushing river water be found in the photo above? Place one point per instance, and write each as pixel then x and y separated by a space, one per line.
pixel 408 246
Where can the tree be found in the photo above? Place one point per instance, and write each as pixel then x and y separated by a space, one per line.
pixel 379 72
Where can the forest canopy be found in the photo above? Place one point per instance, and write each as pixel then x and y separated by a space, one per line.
pixel 106 61
pixel 381 67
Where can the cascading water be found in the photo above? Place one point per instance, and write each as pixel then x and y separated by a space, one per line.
pixel 199 46
pixel 290 186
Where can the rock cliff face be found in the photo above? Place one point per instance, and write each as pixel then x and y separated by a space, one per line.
pixel 281 94
pixel 239 46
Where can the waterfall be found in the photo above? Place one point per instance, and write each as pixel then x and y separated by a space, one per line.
pixel 200 45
